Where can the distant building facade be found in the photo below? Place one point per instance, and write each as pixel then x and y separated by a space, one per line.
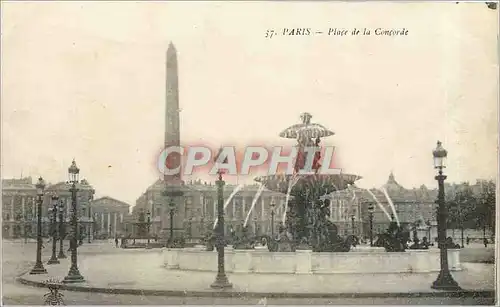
pixel 109 217
pixel 195 212
pixel 412 206
pixel 19 206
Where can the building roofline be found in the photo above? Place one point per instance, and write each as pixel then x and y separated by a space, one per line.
pixel 111 198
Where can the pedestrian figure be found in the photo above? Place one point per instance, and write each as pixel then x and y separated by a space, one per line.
pixel 468 240
pixel 485 241
pixel 116 242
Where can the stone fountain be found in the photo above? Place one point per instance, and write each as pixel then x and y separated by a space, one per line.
pixel 308 242
pixel 307 214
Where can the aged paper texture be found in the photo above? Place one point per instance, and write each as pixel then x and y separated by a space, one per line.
pixel 253 153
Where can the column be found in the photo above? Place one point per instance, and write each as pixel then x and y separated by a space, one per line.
pixel 109 224
pixel 33 208
pixel 23 209
pixel 12 207
pixel 342 210
pixel 23 216
pixel 202 203
pixel 114 224
pixel 102 222
pixel 121 222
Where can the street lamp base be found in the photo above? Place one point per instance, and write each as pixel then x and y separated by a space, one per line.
pixel 61 256
pixel 53 261
pixel 72 279
pixel 38 269
pixel 221 282
pixel 445 282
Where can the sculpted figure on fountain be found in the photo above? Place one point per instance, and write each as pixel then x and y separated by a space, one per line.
pixel 304 142
pixel 307 217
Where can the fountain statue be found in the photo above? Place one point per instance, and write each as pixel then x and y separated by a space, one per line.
pixel 242 239
pixel 306 215
pixel 394 239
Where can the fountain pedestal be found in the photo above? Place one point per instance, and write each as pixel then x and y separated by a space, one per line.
pixel 304 261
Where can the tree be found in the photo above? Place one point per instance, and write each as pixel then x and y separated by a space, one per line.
pixel 486 205
pixel 462 209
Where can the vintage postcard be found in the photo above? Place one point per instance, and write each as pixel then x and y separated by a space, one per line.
pixel 249 153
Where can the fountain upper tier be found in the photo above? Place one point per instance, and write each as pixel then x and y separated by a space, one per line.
pixel 306 129
pixel 307 134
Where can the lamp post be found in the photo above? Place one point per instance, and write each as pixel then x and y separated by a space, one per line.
pixel 370 217
pixel 61 231
pixel 221 280
pixel 461 223
pixel 148 214
pixel 74 275
pixel 444 280
pixel 484 208
pixel 171 212
pixel 89 231
pixel 53 220
pixel 27 221
pixel 352 223
pixel 273 205
pixel 38 268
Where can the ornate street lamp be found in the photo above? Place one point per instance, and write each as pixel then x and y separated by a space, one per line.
pixel 152 212
pixel 38 268
pixel 444 280
pixel 273 206
pixel 61 231
pixel 53 220
pixel 148 214
pixel 221 280
pixel 460 216
pixel 370 217
pixel 352 224
pixel 74 275
pixel 90 225
pixel 171 211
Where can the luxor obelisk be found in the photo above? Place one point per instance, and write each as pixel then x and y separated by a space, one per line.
pixel 172 130
pixel 173 187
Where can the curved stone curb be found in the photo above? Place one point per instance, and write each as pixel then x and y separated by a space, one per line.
pixel 235 293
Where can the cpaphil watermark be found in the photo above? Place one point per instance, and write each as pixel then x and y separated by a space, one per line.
pixel 188 160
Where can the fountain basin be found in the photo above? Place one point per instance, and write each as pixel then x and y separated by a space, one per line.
pixel 307 262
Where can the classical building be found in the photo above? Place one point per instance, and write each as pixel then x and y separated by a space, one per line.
pixel 109 217
pixel 411 206
pixel 19 206
pixel 195 212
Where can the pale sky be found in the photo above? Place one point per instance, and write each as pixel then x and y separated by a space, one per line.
pixel 86 80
